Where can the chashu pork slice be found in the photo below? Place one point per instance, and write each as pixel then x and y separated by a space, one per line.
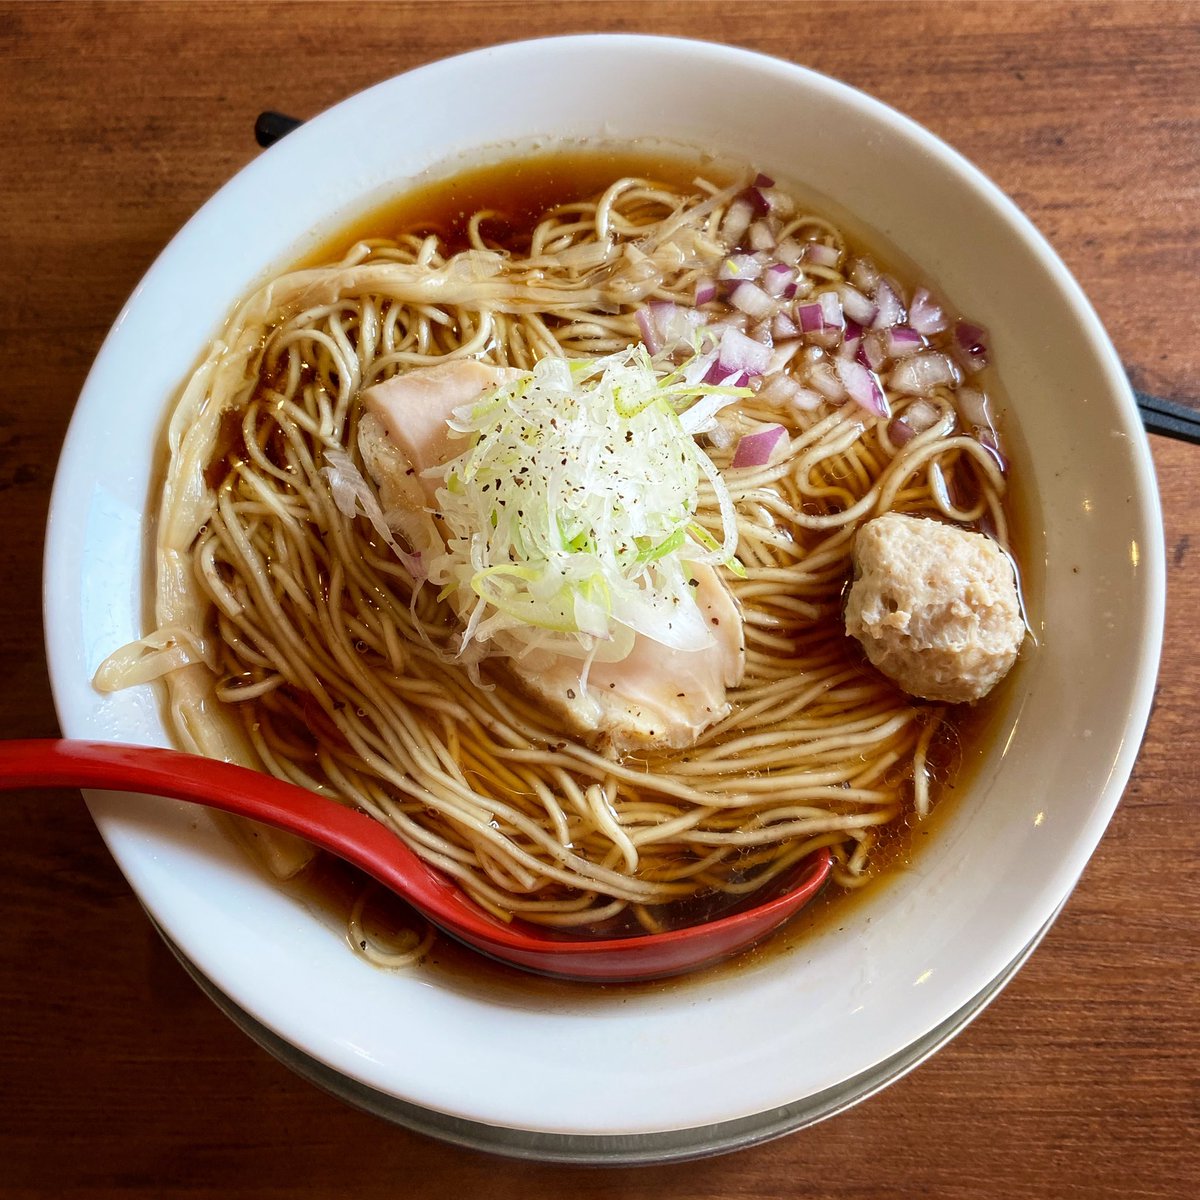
pixel 405 427
pixel 654 697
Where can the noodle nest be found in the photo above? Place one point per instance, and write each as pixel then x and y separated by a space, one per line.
pixel 292 639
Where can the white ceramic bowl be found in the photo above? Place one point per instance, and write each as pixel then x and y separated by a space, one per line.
pixel 595 1062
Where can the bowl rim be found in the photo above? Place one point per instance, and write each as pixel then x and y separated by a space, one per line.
pixel 113 822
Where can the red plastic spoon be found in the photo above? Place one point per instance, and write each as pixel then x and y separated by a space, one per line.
pixel 370 846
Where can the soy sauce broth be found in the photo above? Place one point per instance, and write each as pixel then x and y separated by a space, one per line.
pixel 517 194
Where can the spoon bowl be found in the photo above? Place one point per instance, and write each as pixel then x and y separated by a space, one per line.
pixel 374 849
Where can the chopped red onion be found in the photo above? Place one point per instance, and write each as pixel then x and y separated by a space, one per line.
pixel 810 317
pixel 864 275
pixel 821 255
pixel 782 205
pixel 782 326
pixel 832 308
pixel 763 181
pixel 761 237
pixel 777 278
pixel 664 324
pixel 902 341
pixel 754 450
pixel 971 341
pixel 739 353
pixel 890 305
pixel 706 291
pixel 900 433
pixel 874 349
pixel 721 376
pixel 649 333
pixel 921 415
pixel 759 204
pixel 805 400
pixel 822 318
pixel 856 305
pixel 925 314
pixel 921 373
pixel 739 267
pixel 972 407
pixel 825 380
pixel 752 300
pixel 720 436
pixel 780 390
pixel 851 338
pixel 737 220
pixel 789 251
pixel 863 387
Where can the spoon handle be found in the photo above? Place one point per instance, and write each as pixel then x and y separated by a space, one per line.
pixel 370 845
pixel 151 770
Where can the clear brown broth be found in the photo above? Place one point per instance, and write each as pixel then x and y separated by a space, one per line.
pixel 519 192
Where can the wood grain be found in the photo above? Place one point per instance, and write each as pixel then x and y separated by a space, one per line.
pixel 118 1079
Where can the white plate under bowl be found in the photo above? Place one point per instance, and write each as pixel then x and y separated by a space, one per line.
pixel 627 1149
pixel 594 1062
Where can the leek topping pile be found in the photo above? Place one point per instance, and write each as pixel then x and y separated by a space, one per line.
pixel 570 509
pixel 711 379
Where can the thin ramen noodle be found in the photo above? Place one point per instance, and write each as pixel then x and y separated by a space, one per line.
pixel 291 635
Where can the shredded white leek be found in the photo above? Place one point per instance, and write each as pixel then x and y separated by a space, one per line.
pixel 571 517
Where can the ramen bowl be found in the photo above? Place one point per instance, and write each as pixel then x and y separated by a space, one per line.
pixel 834 1008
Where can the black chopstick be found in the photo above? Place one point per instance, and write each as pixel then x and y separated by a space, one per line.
pixel 1161 416
pixel 271 126
pixel 1168 418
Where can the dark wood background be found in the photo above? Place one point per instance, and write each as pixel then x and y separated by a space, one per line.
pixel 117 1078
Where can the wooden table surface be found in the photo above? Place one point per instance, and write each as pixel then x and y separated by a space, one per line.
pixel 118 1078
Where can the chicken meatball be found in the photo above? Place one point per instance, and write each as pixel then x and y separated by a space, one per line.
pixel 934 606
